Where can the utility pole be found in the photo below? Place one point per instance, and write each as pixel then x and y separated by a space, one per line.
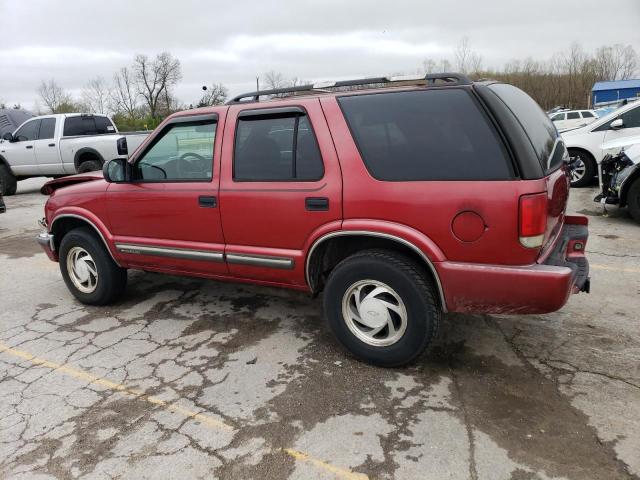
pixel 257 83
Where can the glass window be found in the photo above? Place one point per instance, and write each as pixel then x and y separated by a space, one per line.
pixel 276 149
pixel 573 116
pixel 631 118
pixel 425 135
pixel 79 125
pixel 540 130
pixel 558 116
pixel 184 151
pixel 28 132
pixel 104 125
pixel 47 128
pixel 587 114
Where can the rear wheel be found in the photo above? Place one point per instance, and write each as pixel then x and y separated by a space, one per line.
pixel 382 307
pixel 633 200
pixel 89 166
pixel 8 183
pixel 88 270
pixel 584 168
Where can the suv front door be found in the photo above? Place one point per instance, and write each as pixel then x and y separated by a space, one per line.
pixel 281 186
pixel 166 217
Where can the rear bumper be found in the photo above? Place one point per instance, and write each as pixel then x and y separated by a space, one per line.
pixel 539 288
pixel 45 240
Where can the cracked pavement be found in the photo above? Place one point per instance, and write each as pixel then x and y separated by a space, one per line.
pixel 187 378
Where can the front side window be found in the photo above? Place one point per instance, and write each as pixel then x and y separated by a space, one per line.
pixel 631 118
pixel 47 129
pixel 280 148
pixel 557 117
pixel 573 116
pixel 183 152
pixel 587 114
pixel 28 132
pixel 425 135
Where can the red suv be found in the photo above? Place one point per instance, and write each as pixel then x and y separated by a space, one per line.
pixel 399 199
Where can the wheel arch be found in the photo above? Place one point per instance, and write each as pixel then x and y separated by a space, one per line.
pixel 77 159
pixel 65 222
pixel 330 248
pixel 628 183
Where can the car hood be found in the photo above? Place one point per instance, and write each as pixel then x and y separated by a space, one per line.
pixel 620 143
pixel 53 185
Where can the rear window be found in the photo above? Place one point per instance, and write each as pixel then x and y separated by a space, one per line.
pixel 87 125
pixel 540 130
pixel 425 135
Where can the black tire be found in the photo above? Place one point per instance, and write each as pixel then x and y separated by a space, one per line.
pixel 8 182
pixel 633 200
pixel 89 166
pixel 590 168
pixel 111 280
pixel 409 281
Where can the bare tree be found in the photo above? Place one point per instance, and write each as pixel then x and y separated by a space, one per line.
pixel 615 62
pixel 215 94
pixel 124 94
pixel 53 96
pixel 96 95
pixel 462 55
pixel 273 80
pixel 155 78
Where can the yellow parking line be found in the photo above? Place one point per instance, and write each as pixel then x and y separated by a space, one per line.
pixel 205 419
pixel 614 269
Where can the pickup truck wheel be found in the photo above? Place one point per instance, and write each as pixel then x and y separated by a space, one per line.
pixel 382 307
pixel 89 166
pixel 8 183
pixel 584 169
pixel 633 200
pixel 88 270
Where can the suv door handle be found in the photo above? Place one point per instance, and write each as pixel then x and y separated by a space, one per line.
pixel 52 144
pixel 29 146
pixel 207 202
pixel 316 204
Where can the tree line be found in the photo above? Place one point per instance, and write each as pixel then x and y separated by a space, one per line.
pixel 140 95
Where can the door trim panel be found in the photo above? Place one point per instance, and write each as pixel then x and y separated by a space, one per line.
pixel 185 253
pixel 260 261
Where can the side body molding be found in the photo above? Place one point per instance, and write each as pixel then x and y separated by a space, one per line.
pixel 387 236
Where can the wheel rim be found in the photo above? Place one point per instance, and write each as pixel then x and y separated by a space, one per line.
pixel 374 313
pixel 82 270
pixel 578 170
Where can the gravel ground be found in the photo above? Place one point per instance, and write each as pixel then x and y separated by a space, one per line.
pixel 196 379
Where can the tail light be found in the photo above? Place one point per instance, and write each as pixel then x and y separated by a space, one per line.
pixel 533 219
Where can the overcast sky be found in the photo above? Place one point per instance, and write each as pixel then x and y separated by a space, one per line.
pixel 232 42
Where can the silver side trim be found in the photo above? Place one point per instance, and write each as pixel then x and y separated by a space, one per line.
pixel 85 219
pixel 184 253
pixel 260 261
pixel 404 242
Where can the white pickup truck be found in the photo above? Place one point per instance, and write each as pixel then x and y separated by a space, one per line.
pixel 62 144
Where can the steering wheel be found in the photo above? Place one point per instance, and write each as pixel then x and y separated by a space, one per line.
pixel 192 168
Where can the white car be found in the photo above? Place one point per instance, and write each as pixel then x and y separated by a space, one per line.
pixel 568 119
pixel 63 144
pixel 585 143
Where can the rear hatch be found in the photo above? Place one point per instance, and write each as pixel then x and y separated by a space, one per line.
pixel 551 155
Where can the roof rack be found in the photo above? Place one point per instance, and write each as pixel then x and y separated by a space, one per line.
pixel 323 87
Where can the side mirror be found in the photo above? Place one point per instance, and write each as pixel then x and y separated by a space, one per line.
pixel 123 149
pixel 8 136
pixel 116 170
pixel 617 124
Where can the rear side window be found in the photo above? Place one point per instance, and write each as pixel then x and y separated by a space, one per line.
pixel 282 148
pixel 47 128
pixel 573 115
pixel 540 130
pixel 87 125
pixel 425 135
pixel 587 115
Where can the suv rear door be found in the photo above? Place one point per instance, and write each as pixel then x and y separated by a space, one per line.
pixel 280 186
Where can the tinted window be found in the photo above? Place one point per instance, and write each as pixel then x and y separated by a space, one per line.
pixel 588 115
pixel 534 121
pixel 183 151
pixel 276 149
pixel 47 128
pixel 425 135
pixel 557 117
pixel 29 131
pixel 573 115
pixel 87 125
pixel 631 118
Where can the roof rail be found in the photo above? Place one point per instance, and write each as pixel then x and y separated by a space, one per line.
pixel 430 78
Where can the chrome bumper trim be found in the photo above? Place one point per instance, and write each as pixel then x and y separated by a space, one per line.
pixel 46 240
pixel 184 253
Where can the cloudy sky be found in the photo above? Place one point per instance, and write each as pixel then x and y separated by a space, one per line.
pixel 232 42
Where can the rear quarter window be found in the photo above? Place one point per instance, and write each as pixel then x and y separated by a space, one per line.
pixel 539 129
pixel 87 125
pixel 425 135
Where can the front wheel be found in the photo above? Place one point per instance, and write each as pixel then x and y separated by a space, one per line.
pixel 8 182
pixel 88 270
pixel 584 168
pixel 633 200
pixel 382 307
